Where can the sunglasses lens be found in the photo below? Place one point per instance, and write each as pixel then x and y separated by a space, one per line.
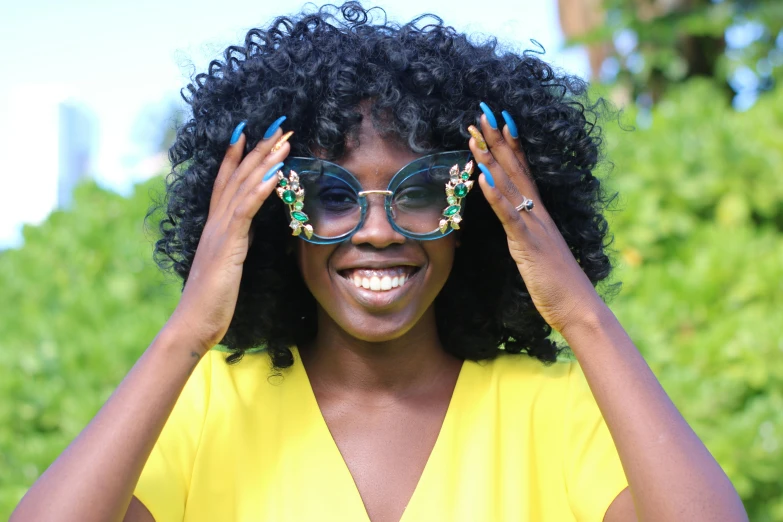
pixel 419 200
pixel 331 204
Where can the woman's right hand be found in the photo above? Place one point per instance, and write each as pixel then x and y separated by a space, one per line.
pixel 242 185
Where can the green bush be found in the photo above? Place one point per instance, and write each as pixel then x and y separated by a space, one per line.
pixel 700 253
pixel 82 301
pixel 698 230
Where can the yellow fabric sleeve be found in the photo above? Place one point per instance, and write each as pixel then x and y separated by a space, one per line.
pixel 165 481
pixel 594 474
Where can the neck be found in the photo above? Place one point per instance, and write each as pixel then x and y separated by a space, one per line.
pixel 415 362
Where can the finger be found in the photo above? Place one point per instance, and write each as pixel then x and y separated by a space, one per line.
pixel 231 161
pixel 511 134
pixel 252 160
pixel 517 184
pixel 509 217
pixel 275 157
pixel 479 147
pixel 247 206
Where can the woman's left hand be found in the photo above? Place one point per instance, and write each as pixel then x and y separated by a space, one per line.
pixel 560 290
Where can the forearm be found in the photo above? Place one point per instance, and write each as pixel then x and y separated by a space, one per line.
pixel 94 478
pixel 671 474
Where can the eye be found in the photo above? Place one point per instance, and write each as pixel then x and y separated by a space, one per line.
pixel 416 195
pixel 337 199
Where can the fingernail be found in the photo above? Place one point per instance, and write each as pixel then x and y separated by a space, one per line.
pixel 487 174
pixel 272 171
pixel 480 143
pixel 511 124
pixel 237 132
pixel 273 128
pixel 282 140
pixel 490 117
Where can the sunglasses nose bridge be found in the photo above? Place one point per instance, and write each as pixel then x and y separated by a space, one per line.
pixel 376 199
pixel 365 193
pixel 376 228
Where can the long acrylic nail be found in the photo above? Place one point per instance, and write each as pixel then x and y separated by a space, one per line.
pixel 511 124
pixel 487 175
pixel 237 132
pixel 490 116
pixel 273 128
pixel 480 143
pixel 282 140
pixel 271 172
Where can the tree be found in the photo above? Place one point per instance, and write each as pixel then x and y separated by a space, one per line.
pixel 647 45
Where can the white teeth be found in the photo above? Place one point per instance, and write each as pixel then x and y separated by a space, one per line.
pixel 380 279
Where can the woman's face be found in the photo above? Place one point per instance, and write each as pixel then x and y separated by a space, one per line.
pixel 376 255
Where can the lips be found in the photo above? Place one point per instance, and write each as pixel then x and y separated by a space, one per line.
pixel 379 279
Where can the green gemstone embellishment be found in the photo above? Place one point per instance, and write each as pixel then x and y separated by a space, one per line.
pixel 300 216
pixel 283 183
pixel 465 176
pixel 451 200
pixel 298 205
pixel 450 211
pixel 289 197
pixel 461 190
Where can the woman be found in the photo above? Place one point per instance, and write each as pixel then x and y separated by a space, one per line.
pixel 402 258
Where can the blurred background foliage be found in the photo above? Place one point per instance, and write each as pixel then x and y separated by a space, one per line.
pixel 698 232
pixel 643 47
pixel 82 299
pixel 698 246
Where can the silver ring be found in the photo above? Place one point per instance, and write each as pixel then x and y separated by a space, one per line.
pixel 526 205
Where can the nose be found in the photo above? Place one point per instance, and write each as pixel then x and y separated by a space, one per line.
pixel 376 229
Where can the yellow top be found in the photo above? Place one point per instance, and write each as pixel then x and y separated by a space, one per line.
pixel 520 441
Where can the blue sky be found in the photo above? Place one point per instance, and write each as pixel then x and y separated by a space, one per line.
pixel 121 60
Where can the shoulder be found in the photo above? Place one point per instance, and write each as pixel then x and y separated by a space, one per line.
pixel 245 376
pixel 252 384
pixel 521 369
pixel 250 364
pixel 516 383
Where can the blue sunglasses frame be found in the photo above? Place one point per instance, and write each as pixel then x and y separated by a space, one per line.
pixel 444 159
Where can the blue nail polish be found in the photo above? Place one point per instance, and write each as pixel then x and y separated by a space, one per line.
pixel 271 172
pixel 237 132
pixel 511 124
pixel 273 128
pixel 487 175
pixel 490 117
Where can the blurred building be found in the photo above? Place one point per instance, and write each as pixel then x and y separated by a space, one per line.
pixel 77 133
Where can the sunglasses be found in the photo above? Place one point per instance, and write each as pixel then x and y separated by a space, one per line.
pixel 423 201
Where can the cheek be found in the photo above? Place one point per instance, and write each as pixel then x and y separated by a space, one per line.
pixel 308 260
pixel 441 257
pixel 313 264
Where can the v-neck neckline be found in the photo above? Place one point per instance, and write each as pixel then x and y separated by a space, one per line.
pixel 335 450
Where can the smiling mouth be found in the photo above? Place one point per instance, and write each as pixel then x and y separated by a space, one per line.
pixel 379 279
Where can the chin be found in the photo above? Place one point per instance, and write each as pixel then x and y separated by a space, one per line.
pixel 377 329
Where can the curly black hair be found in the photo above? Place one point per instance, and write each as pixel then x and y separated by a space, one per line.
pixel 425 81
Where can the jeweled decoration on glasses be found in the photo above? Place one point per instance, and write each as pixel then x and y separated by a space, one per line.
pixel 292 194
pixel 456 189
